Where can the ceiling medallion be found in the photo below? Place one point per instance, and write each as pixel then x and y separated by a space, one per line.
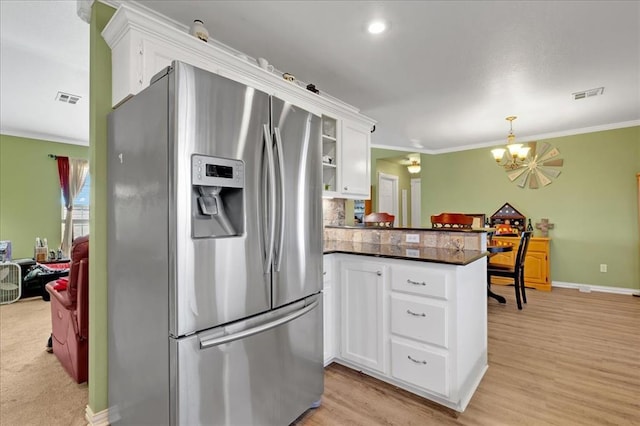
pixel 539 168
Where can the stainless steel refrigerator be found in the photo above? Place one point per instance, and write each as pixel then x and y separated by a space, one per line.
pixel 214 255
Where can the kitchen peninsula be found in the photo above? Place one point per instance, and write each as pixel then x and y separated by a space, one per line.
pixel 413 314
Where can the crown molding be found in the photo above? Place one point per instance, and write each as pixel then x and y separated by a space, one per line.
pixel 43 137
pixel 83 9
pixel 524 139
pixel 132 18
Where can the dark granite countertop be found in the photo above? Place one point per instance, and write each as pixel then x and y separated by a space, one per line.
pixel 421 254
pixel 381 228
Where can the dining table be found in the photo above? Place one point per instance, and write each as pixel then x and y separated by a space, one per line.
pixel 495 247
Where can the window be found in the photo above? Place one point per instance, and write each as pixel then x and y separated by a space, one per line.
pixel 80 210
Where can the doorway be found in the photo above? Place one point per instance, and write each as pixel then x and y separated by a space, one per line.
pixel 388 195
pixel 416 214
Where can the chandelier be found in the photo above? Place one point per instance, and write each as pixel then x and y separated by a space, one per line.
pixel 516 153
pixel 414 167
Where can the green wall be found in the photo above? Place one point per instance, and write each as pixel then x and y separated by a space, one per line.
pixel 30 192
pixel 593 203
pixel 100 106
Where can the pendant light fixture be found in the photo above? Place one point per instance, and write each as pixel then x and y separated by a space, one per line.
pixel 516 153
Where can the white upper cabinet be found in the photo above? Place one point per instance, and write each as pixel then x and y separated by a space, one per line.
pixel 346 157
pixel 355 146
pixel 143 45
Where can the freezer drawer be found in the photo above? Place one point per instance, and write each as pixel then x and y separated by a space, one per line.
pixel 266 370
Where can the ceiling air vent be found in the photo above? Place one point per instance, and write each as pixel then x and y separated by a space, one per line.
pixel 588 93
pixel 67 98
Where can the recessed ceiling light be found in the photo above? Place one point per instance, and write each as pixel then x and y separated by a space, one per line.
pixel 377 27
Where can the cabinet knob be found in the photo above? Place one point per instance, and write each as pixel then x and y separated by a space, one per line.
pixel 346 188
pixel 379 273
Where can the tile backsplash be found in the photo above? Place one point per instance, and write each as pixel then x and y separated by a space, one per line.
pixel 426 237
pixel 333 212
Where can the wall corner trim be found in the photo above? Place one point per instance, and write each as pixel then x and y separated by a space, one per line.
pixel 100 418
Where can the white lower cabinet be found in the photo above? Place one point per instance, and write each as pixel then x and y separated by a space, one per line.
pixel 421 326
pixel 363 313
pixel 329 314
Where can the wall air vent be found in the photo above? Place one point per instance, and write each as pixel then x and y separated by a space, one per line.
pixel 588 93
pixel 67 98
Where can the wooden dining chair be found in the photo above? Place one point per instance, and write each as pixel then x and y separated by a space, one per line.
pixel 515 272
pixel 451 220
pixel 379 219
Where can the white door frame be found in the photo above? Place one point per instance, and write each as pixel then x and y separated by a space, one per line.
pixel 416 191
pixel 393 209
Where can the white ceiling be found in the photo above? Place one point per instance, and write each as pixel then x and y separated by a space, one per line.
pixel 443 78
pixel 44 48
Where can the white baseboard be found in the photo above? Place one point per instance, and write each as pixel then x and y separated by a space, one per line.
pixel 588 288
pixel 100 418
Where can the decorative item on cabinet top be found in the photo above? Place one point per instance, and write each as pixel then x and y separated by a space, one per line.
pixel 508 221
pixel 198 30
pixel 264 64
pixel 544 227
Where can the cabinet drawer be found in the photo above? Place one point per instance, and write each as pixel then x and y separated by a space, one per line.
pixel 420 367
pixel 536 245
pixel 422 281
pixel 419 320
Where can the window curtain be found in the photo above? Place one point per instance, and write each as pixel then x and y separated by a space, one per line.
pixel 72 173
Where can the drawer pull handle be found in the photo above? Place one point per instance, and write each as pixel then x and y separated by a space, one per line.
pixel 416 315
pixel 416 282
pixel 416 361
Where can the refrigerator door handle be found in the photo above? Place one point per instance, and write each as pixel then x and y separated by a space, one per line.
pixel 215 341
pixel 268 143
pixel 280 246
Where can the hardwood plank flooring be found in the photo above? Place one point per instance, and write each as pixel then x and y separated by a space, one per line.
pixel 568 358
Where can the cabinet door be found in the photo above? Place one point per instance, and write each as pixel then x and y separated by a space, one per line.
pixel 535 268
pixel 328 323
pixel 363 314
pixel 355 167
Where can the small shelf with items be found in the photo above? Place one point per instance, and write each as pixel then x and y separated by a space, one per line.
pixel 329 152
pixel 508 221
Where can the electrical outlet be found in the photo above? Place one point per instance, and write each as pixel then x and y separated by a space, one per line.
pixel 413 238
pixel 603 267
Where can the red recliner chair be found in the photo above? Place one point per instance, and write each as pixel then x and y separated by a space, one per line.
pixel 70 314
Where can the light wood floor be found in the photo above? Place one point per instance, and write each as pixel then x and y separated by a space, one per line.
pixel 568 358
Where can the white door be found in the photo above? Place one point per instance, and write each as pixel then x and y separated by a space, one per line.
pixel 388 195
pixel 415 203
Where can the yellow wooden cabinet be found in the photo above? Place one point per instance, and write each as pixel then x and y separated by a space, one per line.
pixel 536 263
